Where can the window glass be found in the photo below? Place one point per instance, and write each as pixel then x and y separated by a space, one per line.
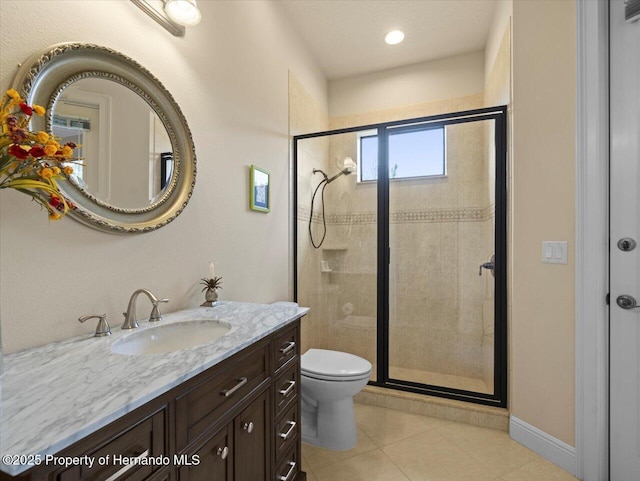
pixel 412 153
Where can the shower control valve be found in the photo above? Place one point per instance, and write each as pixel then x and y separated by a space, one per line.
pixel 491 265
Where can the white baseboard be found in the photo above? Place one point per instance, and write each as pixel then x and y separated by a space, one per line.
pixel 550 448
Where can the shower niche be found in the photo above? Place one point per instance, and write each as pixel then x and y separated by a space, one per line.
pixel 388 252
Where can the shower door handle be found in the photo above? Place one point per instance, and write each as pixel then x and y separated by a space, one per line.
pixel 491 265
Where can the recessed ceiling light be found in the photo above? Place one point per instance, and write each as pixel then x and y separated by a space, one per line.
pixel 394 37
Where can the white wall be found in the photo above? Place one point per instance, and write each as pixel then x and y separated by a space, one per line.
pixel 229 75
pixel 543 295
pixel 446 78
pixel 501 18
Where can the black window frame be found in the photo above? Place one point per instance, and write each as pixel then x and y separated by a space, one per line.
pixel 399 131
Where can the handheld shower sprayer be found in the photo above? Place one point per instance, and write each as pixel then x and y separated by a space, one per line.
pixel 348 167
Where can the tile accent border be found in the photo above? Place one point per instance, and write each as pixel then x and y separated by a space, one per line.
pixel 550 448
pixel 456 214
pixel 304 213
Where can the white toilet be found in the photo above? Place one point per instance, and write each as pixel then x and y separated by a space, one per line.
pixel 330 379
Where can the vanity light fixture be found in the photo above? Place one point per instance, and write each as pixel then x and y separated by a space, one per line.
pixel 394 37
pixel 173 15
pixel 183 12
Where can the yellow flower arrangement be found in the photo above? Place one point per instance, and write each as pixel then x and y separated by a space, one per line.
pixel 32 162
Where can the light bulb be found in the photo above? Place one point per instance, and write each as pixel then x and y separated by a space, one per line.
pixel 394 37
pixel 183 12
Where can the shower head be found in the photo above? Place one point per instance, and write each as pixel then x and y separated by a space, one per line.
pixel 348 167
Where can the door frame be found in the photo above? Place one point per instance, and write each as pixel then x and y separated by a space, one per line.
pixel 592 240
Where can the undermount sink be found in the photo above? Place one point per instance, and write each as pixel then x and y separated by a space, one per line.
pixel 171 337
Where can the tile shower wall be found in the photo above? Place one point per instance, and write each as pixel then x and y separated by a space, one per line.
pixel 305 116
pixel 437 243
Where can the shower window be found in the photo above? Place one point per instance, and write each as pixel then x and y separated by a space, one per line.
pixel 414 152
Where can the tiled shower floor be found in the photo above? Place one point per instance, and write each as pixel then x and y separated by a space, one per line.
pixel 397 446
pixel 438 379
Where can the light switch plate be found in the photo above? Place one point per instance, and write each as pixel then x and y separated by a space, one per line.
pixel 554 252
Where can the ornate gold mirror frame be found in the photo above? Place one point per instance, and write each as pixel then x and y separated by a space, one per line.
pixel 45 75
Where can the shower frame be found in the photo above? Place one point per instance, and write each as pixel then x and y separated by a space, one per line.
pixel 499 116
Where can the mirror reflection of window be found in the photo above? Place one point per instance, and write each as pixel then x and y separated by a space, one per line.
pixel 72 130
pixel 77 119
pixel 83 117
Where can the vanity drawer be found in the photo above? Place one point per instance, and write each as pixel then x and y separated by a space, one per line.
pixel 286 347
pixel 144 440
pixel 287 387
pixel 206 402
pixel 286 431
pixel 289 469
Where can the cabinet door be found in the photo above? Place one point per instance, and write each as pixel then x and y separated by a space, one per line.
pixel 215 459
pixel 251 436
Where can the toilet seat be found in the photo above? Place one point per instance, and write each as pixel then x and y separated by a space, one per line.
pixel 334 366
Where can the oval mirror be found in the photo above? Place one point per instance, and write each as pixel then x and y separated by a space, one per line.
pixel 139 165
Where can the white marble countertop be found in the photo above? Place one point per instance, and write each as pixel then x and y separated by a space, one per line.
pixel 52 396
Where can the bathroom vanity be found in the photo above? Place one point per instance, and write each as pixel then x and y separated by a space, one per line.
pixel 227 410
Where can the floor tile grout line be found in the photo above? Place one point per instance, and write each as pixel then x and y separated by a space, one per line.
pixel 308 465
pixel 487 465
pixel 410 437
pixel 406 475
pixel 375 446
pixel 427 426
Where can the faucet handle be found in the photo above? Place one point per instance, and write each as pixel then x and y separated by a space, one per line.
pixel 102 328
pixel 155 312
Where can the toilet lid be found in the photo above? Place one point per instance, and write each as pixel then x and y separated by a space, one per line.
pixel 323 364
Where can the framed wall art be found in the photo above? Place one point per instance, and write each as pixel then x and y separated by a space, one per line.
pixel 259 190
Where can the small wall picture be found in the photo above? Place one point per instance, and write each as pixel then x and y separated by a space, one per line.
pixel 259 189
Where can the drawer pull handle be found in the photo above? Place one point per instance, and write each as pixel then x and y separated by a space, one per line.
pixel 290 346
pixel 292 426
pixel 248 427
pixel 286 392
pixel 228 392
pixel 223 452
pixel 120 472
pixel 292 470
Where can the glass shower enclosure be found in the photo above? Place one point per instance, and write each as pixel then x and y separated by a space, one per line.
pixel 402 259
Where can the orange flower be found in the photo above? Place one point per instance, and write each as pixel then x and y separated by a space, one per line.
pixel 68 170
pixel 45 173
pixel 39 109
pixel 67 151
pixel 56 170
pixel 42 136
pixel 13 93
pixel 50 149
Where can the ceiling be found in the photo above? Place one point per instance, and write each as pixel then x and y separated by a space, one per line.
pixel 346 37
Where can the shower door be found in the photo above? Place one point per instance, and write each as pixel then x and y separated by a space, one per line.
pixel 336 246
pixel 443 257
pixel 411 274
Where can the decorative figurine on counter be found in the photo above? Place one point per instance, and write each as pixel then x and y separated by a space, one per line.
pixel 210 285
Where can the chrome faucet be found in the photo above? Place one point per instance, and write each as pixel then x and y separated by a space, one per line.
pixel 130 321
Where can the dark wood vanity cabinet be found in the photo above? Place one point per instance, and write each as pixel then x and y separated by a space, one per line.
pixel 237 421
pixel 238 451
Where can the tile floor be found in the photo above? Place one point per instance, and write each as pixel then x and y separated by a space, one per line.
pixel 397 446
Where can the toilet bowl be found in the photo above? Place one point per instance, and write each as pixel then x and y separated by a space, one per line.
pixel 329 381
